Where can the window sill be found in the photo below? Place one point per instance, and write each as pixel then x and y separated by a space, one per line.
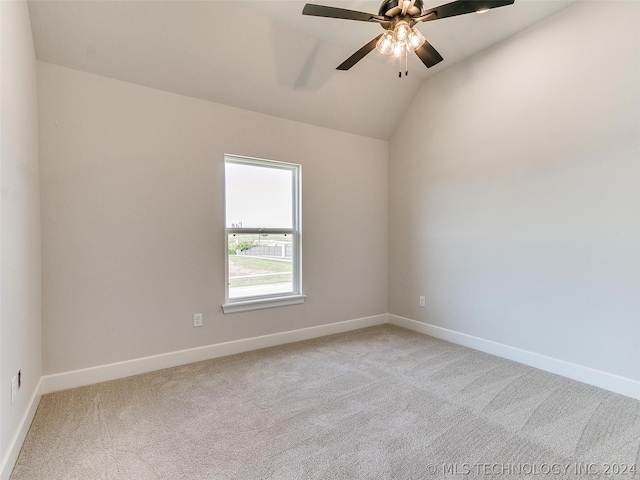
pixel 246 305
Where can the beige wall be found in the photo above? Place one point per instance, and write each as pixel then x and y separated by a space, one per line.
pixel 19 224
pixel 515 192
pixel 132 218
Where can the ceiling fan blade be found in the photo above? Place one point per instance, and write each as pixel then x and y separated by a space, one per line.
pixel 461 7
pixel 359 55
pixel 333 12
pixel 428 55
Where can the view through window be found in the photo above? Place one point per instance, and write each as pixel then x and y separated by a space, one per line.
pixel 262 228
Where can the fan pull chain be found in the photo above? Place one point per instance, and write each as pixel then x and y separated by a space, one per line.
pixel 406 62
pixel 405 55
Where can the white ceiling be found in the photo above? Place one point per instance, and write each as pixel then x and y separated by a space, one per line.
pixel 263 55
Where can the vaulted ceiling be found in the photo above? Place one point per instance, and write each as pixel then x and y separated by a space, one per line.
pixel 264 55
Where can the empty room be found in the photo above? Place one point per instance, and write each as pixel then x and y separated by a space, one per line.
pixel 347 239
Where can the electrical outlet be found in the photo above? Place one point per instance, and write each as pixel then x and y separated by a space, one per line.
pixel 14 388
pixel 197 319
pixel 422 301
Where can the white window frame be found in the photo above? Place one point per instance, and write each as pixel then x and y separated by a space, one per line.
pixel 233 305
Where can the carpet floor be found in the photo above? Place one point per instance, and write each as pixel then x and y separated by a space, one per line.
pixel 377 403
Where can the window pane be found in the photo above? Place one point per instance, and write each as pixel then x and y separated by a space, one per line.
pixel 260 264
pixel 258 197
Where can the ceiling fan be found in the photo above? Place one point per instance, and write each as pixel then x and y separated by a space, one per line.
pixel 398 18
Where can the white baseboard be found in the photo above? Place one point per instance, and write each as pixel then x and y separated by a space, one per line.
pixel 103 373
pixel 608 381
pixel 9 460
pixel 77 378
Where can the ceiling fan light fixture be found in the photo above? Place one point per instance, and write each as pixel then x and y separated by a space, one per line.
pixel 401 39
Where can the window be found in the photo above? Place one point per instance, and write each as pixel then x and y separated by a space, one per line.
pixel 262 210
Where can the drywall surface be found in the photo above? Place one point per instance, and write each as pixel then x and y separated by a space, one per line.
pixel 515 192
pixel 133 220
pixel 20 347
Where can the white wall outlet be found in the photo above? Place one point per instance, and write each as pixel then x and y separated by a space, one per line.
pixel 422 301
pixel 197 319
pixel 14 388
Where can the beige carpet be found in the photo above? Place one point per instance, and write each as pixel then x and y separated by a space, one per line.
pixel 377 403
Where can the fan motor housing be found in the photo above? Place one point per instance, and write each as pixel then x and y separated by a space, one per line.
pixel 389 4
